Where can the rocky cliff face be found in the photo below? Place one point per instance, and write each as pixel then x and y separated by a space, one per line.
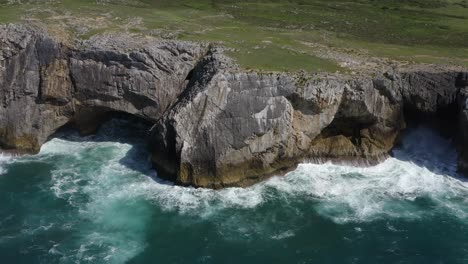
pixel 232 128
pixel 45 84
pixel 139 77
pixel 35 88
pixel 463 123
pixel 215 125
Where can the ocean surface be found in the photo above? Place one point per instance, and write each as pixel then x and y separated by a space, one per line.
pixel 96 200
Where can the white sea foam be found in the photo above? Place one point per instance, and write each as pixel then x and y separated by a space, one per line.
pixel 4 159
pixel 345 193
pixel 95 177
pixel 390 189
pixel 283 235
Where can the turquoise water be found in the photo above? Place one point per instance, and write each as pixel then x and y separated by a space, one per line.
pixel 97 200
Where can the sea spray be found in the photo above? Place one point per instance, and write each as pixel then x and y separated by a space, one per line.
pixel 97 200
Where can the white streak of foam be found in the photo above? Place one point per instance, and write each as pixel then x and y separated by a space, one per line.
pixel 390 189
pixel 4 160
pixel 105 191
pixel 283 235
pixel 345 193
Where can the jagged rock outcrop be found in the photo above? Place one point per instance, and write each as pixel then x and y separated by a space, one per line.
pixel 215 124
pixel 463 123
pixel 142 78
pixel 233 128
pixel 34 88
pixel 45 84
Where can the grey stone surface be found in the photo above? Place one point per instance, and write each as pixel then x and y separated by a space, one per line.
pixel 233 128
pixel 45 84
pixel 33 75
pixel 138 77
pixel 215 125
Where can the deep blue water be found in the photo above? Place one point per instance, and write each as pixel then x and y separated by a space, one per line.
pixel 97 200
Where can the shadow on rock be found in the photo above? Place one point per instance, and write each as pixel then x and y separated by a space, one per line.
pixel 125 131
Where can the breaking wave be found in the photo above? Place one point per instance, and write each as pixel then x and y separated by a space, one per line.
pixel 111 196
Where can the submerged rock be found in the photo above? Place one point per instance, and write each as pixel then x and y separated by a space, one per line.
pixel 215 125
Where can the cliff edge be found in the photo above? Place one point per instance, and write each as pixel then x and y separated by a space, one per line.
pixel 215 125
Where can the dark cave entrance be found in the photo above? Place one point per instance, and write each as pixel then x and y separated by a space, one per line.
pixel 445 120
pixel 118 127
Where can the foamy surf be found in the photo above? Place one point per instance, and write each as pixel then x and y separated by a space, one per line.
pixel 109 205
pixel 4 159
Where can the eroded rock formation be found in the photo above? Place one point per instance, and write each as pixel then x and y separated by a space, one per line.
pixel 45 84
pixel 232 128
pixel 215 124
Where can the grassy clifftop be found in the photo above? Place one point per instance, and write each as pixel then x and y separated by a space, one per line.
pixel 311 35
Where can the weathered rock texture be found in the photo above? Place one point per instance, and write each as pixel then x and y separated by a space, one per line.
pixel 463 123
pixel 45 85
pixel 233 128
pixel 215 125
pixel 35 88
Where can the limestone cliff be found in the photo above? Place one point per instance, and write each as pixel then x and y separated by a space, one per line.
pixel 215 124
pixel 232 128
pixel 45 84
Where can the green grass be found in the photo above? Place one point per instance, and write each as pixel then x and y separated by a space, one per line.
pixel 271 34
